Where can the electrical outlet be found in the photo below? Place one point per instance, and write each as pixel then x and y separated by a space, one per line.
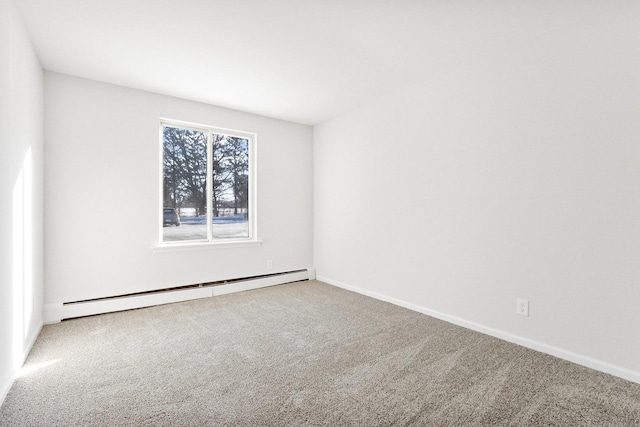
pixel 522 307
pixel 270 264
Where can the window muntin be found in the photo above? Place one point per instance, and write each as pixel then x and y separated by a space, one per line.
pixel 207 180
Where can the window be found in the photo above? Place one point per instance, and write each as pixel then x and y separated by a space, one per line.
pixel 207 190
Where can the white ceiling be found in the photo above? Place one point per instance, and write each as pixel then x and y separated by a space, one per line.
pixel 299 60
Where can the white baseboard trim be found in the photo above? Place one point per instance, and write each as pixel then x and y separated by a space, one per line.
pixel 52 313
pixel 7 383
pixel 570 356
pixel 5 386
pixel 263 282
pixel 56 312
pixel 312 273
pixel 89 308
pixel 31 342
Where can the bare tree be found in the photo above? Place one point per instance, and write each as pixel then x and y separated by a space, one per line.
pixel 185 168
pixel 221 181
pixel 236 161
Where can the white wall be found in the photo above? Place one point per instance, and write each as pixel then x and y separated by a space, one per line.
pixel 21 128
pixel 102 193
pixel 517 175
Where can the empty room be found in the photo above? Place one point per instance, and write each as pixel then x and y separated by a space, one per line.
pixel 338 213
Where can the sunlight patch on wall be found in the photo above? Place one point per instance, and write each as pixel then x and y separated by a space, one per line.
pixel 22 258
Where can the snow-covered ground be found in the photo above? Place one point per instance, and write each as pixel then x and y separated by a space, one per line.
pixel 195 228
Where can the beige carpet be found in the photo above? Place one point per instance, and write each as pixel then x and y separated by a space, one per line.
pixel 300 354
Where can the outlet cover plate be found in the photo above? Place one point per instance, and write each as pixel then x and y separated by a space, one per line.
pixel 522 307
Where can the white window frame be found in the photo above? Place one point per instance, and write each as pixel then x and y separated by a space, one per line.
pixel 209 242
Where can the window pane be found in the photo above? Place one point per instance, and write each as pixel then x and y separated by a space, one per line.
pixel 230 187
pixel 185 184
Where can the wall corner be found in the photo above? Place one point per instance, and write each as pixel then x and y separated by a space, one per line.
pixel 52 313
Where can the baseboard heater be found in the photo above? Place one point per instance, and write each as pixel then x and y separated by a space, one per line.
pixel 91 307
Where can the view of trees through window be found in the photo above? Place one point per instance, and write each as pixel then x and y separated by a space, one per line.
pixel 205 185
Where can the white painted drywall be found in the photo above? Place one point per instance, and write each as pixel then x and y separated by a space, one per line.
pixel 21 129
pixel 515 175
pixel 102 193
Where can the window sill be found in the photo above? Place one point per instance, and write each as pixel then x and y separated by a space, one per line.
pixel 198 246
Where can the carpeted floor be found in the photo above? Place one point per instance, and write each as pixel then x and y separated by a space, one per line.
pixel 300 354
